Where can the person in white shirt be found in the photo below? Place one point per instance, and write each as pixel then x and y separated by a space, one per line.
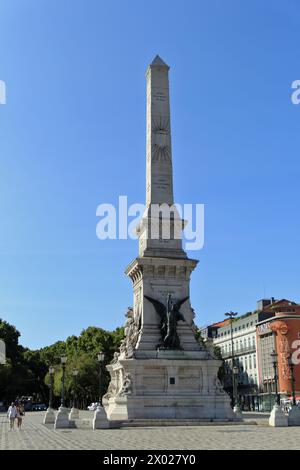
pixel 12 414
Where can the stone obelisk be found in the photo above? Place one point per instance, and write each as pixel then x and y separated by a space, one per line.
pixel 161 371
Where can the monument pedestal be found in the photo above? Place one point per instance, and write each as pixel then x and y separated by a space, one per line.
pixel 100 419
pixel 49 416
pixel 294 416
pixel 62 418
pixel 238 412
pixel 74 414
pixel 170 388
pixel 277 417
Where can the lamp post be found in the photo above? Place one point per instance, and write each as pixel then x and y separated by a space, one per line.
pixel 291 364
pixel 50 416
pixel 231 316
pixel 75 373
pixel 269 383
pixel 274 360
pixel 234 369
pixel 236 373
pixel 63 360
pixel 277 416
pixel 294 411
pixel 100 360
pixel 62 417
pixel 100 419
pixel 74 413
pixel 51 374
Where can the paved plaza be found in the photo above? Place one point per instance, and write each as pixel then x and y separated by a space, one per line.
pixel 35 435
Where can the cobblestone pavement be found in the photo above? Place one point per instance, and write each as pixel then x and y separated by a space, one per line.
pixel 35 435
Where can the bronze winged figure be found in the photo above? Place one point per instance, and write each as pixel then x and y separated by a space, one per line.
pixel 169 316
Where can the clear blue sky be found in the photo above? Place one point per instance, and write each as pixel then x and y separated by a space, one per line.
pixel 72 136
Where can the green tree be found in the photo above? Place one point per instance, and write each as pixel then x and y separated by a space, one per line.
pixel 26 371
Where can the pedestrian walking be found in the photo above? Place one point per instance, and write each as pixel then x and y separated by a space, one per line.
pixel 12 414
pixel 20 415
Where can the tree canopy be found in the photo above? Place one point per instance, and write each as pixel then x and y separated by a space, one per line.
pixel 26 371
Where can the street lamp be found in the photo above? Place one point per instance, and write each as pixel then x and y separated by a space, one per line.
pixel 236 373
pixel 74 413
pixel 100 357
pixel 51 374
pixel 63 361
pixel 50 416
pixel 100 419
pixel 291 364
pixel 62 418
pixel 277 416
pixel 75 373
pixel 274 360
pixel 294 411
pixel 231 316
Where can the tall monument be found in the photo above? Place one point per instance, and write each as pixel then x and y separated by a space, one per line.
pixel 161 371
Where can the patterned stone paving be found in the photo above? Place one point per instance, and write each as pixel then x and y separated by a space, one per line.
pixel 35 435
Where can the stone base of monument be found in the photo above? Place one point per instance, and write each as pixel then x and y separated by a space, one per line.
pixel 238 413
pixel 100 420
pixel 81 423
pixel 277 417
pixel 49 417
pixel 74 414
pixel 294 416
pixel 62 418
pixel 167 389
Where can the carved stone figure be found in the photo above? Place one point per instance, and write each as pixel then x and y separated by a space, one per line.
pixel 111 391
pixel 218 387
pixel 169 316
pixel 131 331
pixel 115 358
pixel 127 385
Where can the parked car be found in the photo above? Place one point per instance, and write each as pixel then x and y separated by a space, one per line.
pixel 39 407
pixel 28 406
pixel 93 406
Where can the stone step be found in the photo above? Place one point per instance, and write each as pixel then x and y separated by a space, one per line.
pixel 182 422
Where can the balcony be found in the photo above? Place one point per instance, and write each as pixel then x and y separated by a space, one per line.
pixel 239 351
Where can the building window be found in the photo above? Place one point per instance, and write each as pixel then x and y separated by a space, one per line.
pixel 267 345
